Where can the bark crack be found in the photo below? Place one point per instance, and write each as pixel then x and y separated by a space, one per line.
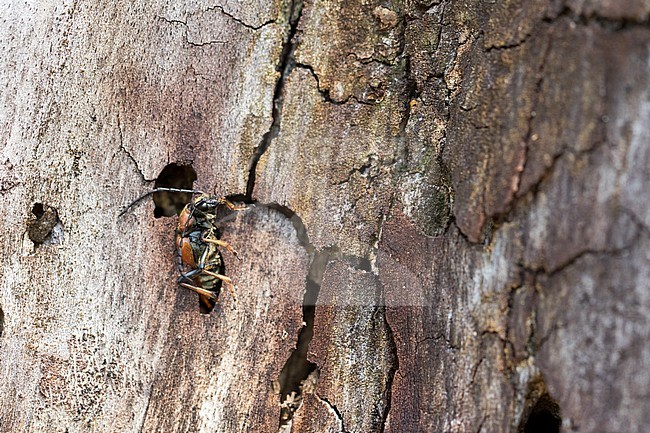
pixel 285 66
pixel 293 381
pixel 637 219
pixel 510 45
pixel 606 252
pixel 364 170
pixel 239 20
pixel 332 407
pixel 186 35
pixel 391 372
pixel 325 93
pixel 586 253
pixel 436 338
pixel 537 92
pixel 222 10
pixel 127 152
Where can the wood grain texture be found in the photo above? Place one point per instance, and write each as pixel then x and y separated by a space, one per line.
pixel 460 189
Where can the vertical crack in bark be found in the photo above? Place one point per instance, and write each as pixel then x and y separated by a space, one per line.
pixel 285 67
pixel 293 379
pixel 394 367
pixel 529 131
pixel 401 160
pixel 126 151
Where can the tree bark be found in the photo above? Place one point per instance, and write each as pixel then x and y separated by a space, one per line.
pixel 446 229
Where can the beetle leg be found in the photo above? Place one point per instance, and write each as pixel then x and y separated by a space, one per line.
pixel 227 281
pixel 231 205
pixel 224 244
pixel 231 289
pixel 201 263
pixel 199 290
pixel 189 274
pixel 221 277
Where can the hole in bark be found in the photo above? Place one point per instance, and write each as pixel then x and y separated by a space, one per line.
pixel 38 210
pixel 2 321
pixel 544 417
pixel 542 414
pixel 46 228
pixel 173 176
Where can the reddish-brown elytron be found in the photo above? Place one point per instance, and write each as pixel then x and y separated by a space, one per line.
pixel 198 239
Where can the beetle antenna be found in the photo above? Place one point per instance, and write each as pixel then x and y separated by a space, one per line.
pixel 155 190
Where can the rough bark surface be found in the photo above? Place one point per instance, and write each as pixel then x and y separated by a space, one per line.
pixel 461 188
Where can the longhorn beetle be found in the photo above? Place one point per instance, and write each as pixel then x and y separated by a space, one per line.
pixel 200 262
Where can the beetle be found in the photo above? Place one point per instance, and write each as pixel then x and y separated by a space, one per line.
pixel 200 263
pixel 197 242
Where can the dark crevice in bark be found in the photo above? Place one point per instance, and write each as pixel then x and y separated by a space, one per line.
pixel 512 292
pixel 363 170
pixel 393 362
pixel 541 412
pixel 494 221
pixel 292 380
pixel 298 370
pixel 606 252
pixel 437 338
pixel 636 219
pixel 336 412
pixel 412 93
pixel 215 42
pixel 544 338
pixel 440 24
pixel 394 367
pixel 536 95
pixel 532 191
pixel 511 45
pixel 586 253
pixel 475 370
pixel 128 154
pixel 187 38
pixel 531 277
pixel 239 20
pixel 369 60
pixel 297 375
pixel 297 223
pixel 325 93
pixel 204 44
pixel 285 67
